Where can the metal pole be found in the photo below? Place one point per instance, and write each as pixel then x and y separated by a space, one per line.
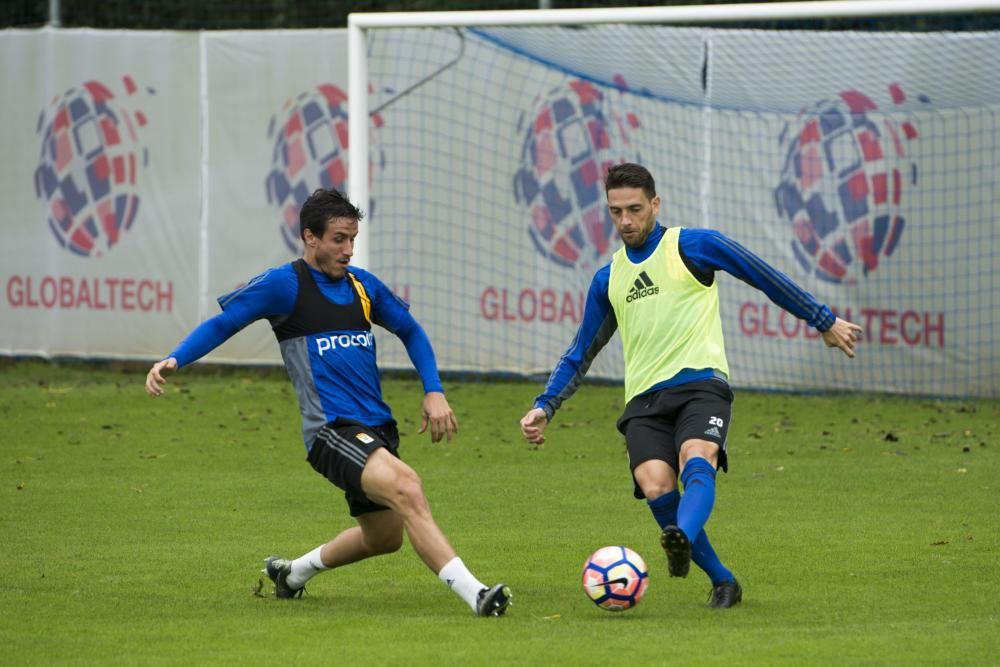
pixel 358 190
pixel 55 20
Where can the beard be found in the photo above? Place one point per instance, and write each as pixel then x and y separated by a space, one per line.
pixel 328 263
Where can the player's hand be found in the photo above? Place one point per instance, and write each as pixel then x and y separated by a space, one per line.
pixel 842 334
pixel 156 377
pixel 533 426
pixel 439 415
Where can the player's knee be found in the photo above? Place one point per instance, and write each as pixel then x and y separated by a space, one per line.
pixel 699 449
pixel 652 491
pixel 408 492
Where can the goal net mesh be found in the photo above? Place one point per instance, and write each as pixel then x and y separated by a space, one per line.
pixel 862 165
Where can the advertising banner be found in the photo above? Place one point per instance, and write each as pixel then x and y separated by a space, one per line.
pixel 149 173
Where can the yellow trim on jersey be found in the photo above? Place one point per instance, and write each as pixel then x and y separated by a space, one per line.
pixel 667 320
pixel 366 302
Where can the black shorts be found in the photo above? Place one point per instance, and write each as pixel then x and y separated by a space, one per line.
pixel 340 451
pixel 655 425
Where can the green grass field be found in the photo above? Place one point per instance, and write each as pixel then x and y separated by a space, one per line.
pixel 864 530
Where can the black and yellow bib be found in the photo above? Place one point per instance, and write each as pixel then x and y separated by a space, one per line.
pixel 314 313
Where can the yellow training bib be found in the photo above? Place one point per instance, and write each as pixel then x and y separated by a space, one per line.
pixel 667 320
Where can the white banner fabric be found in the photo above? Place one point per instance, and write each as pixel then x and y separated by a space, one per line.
pixel 149 173
pixel 101 191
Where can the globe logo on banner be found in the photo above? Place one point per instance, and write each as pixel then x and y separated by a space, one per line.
pixel 88 173
pixel 571 136
pixel 843 183
pixel 310 152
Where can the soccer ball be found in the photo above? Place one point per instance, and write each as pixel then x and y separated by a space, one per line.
pixel 615 578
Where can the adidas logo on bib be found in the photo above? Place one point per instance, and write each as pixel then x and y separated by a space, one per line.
pixel 643 287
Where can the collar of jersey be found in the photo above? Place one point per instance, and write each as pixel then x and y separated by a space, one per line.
pixel 642 253
pixel 319 276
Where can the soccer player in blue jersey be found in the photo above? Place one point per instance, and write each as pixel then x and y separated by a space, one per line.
pixel 659 291
pixel 322 310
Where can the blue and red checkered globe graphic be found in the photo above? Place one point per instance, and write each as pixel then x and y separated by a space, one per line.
pixel 571 136
pixel 310 152
pixel 842 184
pixel 91 158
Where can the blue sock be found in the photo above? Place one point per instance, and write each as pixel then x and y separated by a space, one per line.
pixel 699 497
pixel 664 510
pixel 704 557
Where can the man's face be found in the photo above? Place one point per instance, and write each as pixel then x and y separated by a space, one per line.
pixel 633 213
pixel 332 252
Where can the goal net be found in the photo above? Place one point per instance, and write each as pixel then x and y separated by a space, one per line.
pixel 862 165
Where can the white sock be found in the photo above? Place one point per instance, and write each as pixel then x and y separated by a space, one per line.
pixel 459 579
pixel 305 568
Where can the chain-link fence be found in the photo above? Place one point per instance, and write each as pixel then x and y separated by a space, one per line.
pixel 276 14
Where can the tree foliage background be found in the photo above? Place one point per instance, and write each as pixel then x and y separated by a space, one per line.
pixel 266 14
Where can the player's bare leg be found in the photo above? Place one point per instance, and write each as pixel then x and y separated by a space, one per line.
pixel 376 534
pixel 391 482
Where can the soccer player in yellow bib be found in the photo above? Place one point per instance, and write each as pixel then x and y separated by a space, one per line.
pixel 659 291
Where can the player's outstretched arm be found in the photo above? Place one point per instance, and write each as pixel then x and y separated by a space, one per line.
pixel 533 426
pixel 437 413
pixel 156 377
pixel 842 334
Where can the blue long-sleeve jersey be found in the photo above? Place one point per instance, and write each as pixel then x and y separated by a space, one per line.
pixel 704 252
pixel 345 384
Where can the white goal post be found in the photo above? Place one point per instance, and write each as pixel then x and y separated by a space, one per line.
pixel 359 24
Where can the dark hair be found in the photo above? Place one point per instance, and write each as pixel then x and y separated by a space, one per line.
pixel 630 175
pixel 321 207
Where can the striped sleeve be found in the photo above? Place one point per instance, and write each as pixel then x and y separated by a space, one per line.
pixel 596 329
pixel 711 251
pixel 393 314
pixel 271 293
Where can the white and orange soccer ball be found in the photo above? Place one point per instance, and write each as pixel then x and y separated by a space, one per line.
pixel 615 578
